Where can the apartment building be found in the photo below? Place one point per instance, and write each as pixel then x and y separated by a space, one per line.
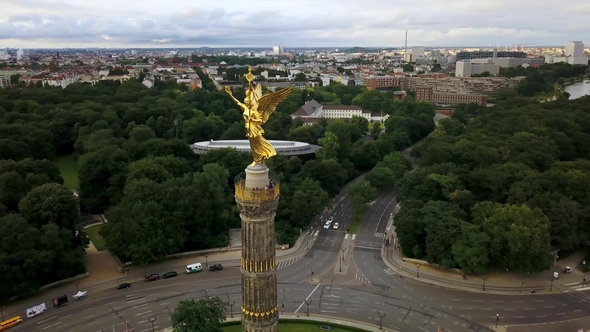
pixel 383 82
pixel 4 82
pixel 427 94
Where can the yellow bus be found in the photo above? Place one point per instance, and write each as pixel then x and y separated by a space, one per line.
pixel 10 322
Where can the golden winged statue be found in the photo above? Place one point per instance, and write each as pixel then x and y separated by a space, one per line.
pixel 256 110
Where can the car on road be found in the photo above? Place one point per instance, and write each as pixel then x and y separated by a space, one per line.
pixel 170 274
pixel 336 225
pixel 327 224
pixel 124 285
pixel 152 277
pixel 216 267
pixel 331 218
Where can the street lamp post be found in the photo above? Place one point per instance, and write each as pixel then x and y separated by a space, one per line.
pixel 307 303
pixel 497 319
pixel 418 271
pixel 522 283
pixel 381 315
pixel 153 320
pixel 206 262
pixel 342 250
pixel 231 309
pixel 484 283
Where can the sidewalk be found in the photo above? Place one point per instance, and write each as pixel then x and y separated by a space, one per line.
pixel 495 281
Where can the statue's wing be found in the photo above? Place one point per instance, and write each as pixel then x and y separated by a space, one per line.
pixel 268 103
pixel 258 91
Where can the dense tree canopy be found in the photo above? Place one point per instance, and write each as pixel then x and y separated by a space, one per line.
pixel 499 191
pixel 135 165
pixel 202 315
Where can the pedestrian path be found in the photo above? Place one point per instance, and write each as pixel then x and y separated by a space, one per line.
pixel 286 263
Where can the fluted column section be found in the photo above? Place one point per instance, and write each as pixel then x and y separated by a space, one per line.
pixel 258 264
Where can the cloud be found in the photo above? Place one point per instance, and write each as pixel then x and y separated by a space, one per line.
pixel 68 23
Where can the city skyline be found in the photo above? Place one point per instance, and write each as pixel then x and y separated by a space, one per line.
pixel 262 23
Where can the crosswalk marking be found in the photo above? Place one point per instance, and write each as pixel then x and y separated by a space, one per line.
pixel 346 236
pixel 283 264
pixel 359 279
pixel 316 233
pixel 379 234
pixel 353 236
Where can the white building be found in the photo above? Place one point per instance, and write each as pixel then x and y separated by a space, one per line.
pixel 4 55
pixel 4 82
pixel 418 52
pixel 312 112
pixel 468 68
pixel 278 50
pixel 574 49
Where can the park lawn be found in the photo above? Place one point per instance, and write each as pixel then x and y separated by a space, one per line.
pixel 296 327
pixel 69 171
pixel 95 238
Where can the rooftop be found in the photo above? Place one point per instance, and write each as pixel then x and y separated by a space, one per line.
pixel 287 148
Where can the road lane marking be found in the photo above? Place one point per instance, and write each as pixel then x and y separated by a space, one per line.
pixel 139 305
pixel 87 309
pixel 85 318
pixel 96 321
pixel 48 326
pixel 164 303
pixel 142 299
pixel 561 313
pixel 307 298
pixel 143 313
pixel 65 316
pixel 43 321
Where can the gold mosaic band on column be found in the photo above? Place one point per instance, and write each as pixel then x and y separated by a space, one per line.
pixel 260 315
pixel 266 265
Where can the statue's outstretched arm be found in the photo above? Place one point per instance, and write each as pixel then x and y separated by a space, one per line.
pixel 228 90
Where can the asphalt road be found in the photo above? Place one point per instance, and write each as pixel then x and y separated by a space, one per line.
pixel 482 308
pixel 360 291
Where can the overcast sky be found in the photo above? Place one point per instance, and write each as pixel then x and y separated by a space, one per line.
pixel 299 23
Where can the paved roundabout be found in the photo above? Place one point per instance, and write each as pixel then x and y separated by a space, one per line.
pixel 339 276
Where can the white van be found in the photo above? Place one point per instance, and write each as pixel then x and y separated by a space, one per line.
pixel 194 268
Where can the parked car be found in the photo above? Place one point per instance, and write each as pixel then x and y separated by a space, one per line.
pixel 170 274
pixel 124 285
pixel 216 267
pixel 152 277
pixel 336 225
